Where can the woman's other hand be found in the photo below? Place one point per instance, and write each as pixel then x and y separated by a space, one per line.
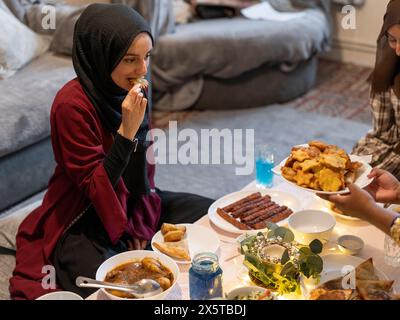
pixel 385 187
pixel 133 111
pixel 137 244
pixel 358 203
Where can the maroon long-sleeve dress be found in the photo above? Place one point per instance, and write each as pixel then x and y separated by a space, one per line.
pixel 80 144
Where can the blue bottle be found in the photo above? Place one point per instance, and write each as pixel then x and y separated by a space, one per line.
pixel 205 277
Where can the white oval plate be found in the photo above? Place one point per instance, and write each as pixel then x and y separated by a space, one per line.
pixel 200 239
pixel 394 207
pixel 281 198
pixel 362 181
pixel 336 262
pixel 334 267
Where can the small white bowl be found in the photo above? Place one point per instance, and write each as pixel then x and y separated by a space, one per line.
pixel 245 291
pixel 308 225
pixel 135 255
pixel 60 295
pixel 350 244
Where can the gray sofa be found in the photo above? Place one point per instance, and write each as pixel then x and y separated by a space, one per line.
pixel 286 71
pixel 26 156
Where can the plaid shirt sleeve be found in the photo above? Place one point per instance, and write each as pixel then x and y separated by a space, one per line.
pixel 383 142
pixel 384 118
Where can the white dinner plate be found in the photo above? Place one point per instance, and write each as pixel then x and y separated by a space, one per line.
pixel 334 263
pixel 362 180
pixel 281 198
pixel 338 265
pixel 200 239
pixel 394 207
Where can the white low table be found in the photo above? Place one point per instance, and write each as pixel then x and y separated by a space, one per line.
pixel 235 274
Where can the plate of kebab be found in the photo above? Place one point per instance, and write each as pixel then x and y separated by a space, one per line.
pixel 252 210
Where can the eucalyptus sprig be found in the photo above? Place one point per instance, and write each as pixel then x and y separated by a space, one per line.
pixel 281 274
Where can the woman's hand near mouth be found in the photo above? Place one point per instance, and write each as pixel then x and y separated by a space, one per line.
pixel 133 111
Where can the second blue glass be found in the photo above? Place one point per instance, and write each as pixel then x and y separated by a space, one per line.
pixel 264 159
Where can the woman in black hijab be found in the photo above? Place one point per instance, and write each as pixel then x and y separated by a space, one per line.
pixel 101 199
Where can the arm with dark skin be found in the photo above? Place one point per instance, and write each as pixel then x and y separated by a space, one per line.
pixel 362 204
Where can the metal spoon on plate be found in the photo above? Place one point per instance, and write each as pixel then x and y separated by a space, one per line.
pixel 141 289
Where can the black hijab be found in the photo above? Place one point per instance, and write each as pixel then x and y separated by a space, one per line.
pixel 386 73
pixel 102 36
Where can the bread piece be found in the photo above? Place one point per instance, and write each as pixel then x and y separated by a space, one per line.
pixel 334 284
pixel 366 271
pixel 142 81
pixel 172 236
pixel 166 227
pixel 178 250
pixel 375 289
pixel 318 144
pixel 323 294
pixel 330 180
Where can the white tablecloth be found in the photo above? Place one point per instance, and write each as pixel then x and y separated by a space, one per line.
pixel 235 274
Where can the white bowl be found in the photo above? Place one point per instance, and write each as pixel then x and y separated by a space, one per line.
pixel 135 255
pixel 350 244
pixel 308 225
pixel 60 295
pixel 244 291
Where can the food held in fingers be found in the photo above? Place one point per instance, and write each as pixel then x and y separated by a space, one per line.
pixel 141 81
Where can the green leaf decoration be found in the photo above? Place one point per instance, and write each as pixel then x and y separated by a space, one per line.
pixel 286 235
pixel 271 234
pixel 303 267
pixel 282 277
pixel 256 263
pixel 316 246
pixel 315 264
pixel 285 257
pixel 247 241
pixel 272 226
pixel 287 268
pixel 304 252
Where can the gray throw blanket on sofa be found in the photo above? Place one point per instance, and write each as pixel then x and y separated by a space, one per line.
pixel 184 54
pixel 228 48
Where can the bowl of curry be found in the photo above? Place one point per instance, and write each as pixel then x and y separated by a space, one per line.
pixel 131 266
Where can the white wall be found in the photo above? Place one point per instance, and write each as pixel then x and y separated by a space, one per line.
pixel 358 46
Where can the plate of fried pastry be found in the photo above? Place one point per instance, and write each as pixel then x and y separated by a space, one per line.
pixel 182 241
pixel 324 168
pixel 363 282
pixel 251 210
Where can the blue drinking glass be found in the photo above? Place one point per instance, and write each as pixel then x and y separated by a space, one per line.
pixel 264 158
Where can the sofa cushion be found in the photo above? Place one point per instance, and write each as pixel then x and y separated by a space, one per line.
pixel 19 7
pixel 26 99
pixel 18 44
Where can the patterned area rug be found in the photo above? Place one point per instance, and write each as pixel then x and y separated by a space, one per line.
pixel 341 91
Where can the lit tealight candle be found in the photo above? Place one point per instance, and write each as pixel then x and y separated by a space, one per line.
pixel 274 251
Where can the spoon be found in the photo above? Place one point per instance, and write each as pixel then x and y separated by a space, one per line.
pixel 140 289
